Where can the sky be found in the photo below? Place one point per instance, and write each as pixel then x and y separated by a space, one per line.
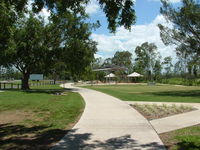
pixel 145 30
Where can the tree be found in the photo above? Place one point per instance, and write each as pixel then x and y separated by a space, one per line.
pixel 28 49
pixel 78 49
pixel 107 63
pixel 167 65
pixel 157 69
pixel 123 59
pixel 118 13
pixel 97 63
pixel 146 56
pixel 185 33
pixel 39 47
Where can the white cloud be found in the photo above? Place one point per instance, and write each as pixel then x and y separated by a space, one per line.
pixel 44 12
pixel 92 7
pixel 98 56
pixel 125 40
pixel 171 1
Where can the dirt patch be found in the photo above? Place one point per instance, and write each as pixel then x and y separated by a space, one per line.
pixel 15 116
pixel 19 130
pixel 154 111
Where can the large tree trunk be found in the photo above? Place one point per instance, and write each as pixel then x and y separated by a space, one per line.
pixel 25 79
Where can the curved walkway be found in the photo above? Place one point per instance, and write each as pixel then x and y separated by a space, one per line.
pixel 109 124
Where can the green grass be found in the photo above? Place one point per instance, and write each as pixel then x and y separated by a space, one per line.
pixel 51 116
pixel 47 87
pixel 183 139
pixel 158 93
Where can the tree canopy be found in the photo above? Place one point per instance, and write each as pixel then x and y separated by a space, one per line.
pixel 123 59
pixel 185 33
pixel 146 56
pixel 118 13
pixel 36 46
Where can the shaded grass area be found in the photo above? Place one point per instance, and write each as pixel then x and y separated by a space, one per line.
pixel 158 93
pixel 48 120
pixel 183 139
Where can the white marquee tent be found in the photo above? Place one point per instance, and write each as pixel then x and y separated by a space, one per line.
pixel 111 75
pixel 135 74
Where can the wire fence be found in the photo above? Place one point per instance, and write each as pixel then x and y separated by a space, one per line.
pixel 10 85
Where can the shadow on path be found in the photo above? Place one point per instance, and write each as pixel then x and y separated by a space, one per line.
pixel 74 141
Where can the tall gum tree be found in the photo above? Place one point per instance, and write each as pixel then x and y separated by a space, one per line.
pixel 185 33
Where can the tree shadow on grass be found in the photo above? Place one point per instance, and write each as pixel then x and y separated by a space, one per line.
pixel 46 91
pixel 188 145
pixel 188 142
pixel 19 137
pixel 193 93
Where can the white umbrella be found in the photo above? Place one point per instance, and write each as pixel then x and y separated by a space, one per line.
pixel 111 75
pixel 135 74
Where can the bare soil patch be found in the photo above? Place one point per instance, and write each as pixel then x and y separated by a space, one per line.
pixel 15 116
pixel 154 111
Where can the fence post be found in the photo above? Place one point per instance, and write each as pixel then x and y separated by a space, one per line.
pixel 4 85
pixel 11 85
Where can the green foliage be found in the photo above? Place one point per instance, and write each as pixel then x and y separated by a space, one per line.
pixel 107 62
pixel 157 70
pixel 118 13
pixel 7 20
pixel 181 81
pixel 146 58
pixel 123 59
pixel 167 65
pixel 62 44
pixel 185 32
pixel 78 48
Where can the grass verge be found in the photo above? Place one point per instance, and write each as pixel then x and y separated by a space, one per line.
pixel 182 139
pixel 38 118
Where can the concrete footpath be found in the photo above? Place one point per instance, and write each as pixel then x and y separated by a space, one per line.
pixel 175 122
pixel 108 123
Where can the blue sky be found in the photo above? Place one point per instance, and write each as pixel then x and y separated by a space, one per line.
pixel 146 11
pixel 145 29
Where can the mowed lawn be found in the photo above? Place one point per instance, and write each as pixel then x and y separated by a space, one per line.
pixel 38 118
pixel 158 93
pixel 182 139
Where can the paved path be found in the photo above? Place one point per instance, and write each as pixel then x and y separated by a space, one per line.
pixel 176 121
pixel 109 124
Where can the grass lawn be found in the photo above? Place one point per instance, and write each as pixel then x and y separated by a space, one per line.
pixel 183 139
pixel 158 93
pixel 38 118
